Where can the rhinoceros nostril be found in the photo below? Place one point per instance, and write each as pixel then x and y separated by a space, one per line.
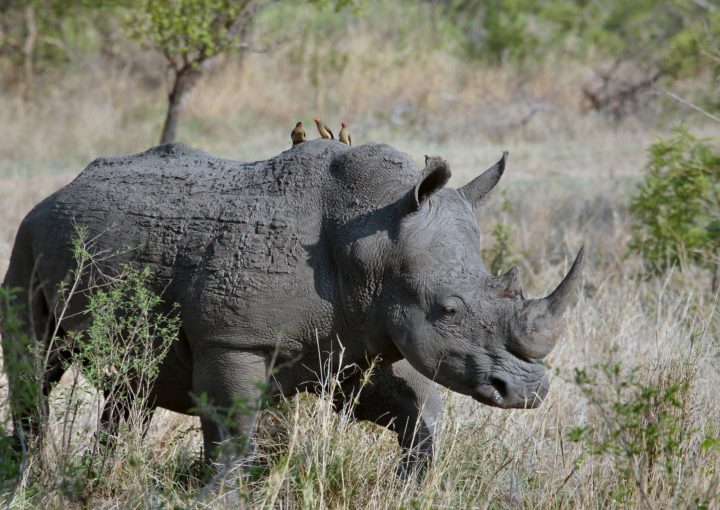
pixel 500 385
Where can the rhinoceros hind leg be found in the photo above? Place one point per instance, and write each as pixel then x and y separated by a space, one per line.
pixel 26 348
pixel 404 401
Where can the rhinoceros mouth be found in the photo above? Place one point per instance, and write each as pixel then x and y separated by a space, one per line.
pixel 488 395
pixel 498 393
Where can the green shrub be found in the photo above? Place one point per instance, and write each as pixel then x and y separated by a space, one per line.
pixel 642 430
pixel 127 338
pixel 503 253
pixel 677 206
pixel 119 354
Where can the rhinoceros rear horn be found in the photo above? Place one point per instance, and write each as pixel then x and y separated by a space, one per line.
pixel 509 283
pixel 478 190
pixel 435 175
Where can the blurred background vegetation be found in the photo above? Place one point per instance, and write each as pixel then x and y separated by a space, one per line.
pixel 621 58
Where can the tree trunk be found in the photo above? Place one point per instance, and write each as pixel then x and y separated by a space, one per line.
pixel 184 81
pixel 28 51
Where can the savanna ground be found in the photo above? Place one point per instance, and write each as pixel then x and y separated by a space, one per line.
pixel 632 418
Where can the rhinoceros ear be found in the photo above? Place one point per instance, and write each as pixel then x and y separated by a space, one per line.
pixel 435 175
pixel 478 190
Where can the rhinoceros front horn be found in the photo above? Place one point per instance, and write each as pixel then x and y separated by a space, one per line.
pixel 561 297
pixel 538 323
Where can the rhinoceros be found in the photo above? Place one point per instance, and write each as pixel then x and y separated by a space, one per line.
pixel 284 262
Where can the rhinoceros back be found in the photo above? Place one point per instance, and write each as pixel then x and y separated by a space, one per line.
pixel 188 215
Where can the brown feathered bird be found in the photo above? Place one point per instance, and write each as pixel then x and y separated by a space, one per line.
pixel 322 129
pixel 298 134
pixel 344 134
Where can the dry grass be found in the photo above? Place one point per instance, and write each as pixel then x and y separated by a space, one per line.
pixel 568 180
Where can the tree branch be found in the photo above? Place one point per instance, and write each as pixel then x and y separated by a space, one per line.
pixel 687 103
pixel 706 5
pixel 242 19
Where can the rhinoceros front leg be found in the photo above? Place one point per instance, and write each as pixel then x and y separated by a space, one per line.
pixel 404 401
pixel 228 385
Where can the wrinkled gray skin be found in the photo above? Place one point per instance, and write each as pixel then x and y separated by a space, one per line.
pixel 274 261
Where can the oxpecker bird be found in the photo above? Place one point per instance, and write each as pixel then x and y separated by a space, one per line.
pixel 324 131
pixel 344 135
pixel 298 134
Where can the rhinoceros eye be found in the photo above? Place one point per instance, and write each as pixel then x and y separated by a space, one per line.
pixel 451 307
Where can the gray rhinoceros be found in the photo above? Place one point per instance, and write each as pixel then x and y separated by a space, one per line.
pixel 280 261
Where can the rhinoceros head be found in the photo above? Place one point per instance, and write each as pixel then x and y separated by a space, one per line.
pixel 457 324
pixel 419 249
